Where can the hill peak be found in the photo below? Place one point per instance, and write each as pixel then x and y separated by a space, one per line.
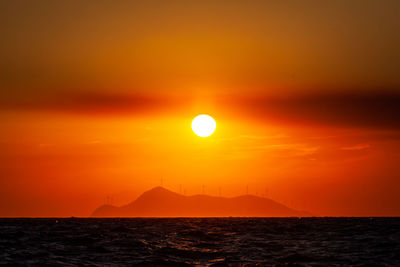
pixel 158 190
pixel 157 193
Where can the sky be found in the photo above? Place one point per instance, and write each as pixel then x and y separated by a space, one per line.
pixel 97 99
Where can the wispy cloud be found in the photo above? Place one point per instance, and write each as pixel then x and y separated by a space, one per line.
pixel 357 147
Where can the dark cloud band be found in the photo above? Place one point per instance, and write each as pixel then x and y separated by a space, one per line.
pixel 371 110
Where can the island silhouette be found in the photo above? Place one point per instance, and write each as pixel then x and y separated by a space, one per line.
pixel 161 202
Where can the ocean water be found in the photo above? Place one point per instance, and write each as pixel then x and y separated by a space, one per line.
pixel 201 242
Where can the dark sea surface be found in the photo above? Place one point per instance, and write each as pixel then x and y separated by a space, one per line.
pixel 201 242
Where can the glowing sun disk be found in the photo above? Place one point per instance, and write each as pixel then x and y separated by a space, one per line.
pixel 203 125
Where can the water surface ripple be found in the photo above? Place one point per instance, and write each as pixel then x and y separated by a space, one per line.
pixel 201 242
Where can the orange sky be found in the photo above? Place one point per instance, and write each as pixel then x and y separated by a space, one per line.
pixel 97 100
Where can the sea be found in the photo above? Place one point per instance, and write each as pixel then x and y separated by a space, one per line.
pixel 200 242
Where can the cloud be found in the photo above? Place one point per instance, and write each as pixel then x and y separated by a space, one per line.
pixel 354 110
pixel 378 110
pixel 357 147
pixel 94 103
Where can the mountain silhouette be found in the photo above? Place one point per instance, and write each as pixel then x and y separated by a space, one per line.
pixel 160 202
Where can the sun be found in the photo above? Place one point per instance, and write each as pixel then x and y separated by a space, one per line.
pixel 203 125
